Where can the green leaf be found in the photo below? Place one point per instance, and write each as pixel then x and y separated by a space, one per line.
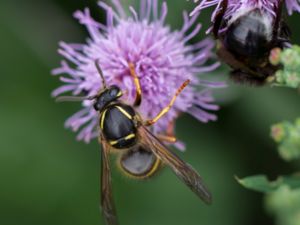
pixel 262 184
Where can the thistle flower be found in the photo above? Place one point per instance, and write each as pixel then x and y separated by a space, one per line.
pixel 163 60
pixel 269 6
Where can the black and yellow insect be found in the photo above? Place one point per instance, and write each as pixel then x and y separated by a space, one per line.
pixel 123 131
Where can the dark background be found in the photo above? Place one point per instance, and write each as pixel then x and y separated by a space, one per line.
pixel 48 178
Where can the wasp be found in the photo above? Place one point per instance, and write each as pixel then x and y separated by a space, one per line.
pixel 141 153
pixel 246 40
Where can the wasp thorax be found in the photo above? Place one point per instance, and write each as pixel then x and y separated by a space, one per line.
pixel 107 96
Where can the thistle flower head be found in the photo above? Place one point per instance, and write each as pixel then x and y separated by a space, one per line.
pixel 234 6
pixel 162 59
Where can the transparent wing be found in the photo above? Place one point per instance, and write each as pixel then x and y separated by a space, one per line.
pixel 107 202
pixel 184 171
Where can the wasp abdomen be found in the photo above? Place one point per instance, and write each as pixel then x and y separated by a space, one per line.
pixel 250 35
pixel 117 125
pixel 139 163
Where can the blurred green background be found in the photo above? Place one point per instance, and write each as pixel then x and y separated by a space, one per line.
pixel 49 178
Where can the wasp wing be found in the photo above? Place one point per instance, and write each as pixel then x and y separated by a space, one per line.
pixel 184 171
pixel 107 202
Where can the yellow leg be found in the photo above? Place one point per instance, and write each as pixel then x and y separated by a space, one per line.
pixel 169 136
pixel 166 109
pixel 166 138
pixel 138 97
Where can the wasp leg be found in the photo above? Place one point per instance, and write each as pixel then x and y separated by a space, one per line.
pixel 166 138
pixel 169 136
pixel 166 109
pixel 281 29
pixel 284 37
pixel 138 97
pixel 218 20
pixel 278 19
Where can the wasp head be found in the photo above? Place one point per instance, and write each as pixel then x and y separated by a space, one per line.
pixel 107 96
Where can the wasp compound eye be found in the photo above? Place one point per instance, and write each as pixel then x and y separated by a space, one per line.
pixel 114 91
pixel 99 103
pixel 96 106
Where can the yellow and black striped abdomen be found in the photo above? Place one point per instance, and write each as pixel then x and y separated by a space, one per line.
pixel 116 123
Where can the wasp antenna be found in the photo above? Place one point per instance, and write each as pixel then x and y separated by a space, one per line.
pixel 97 64
pixel 73 98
